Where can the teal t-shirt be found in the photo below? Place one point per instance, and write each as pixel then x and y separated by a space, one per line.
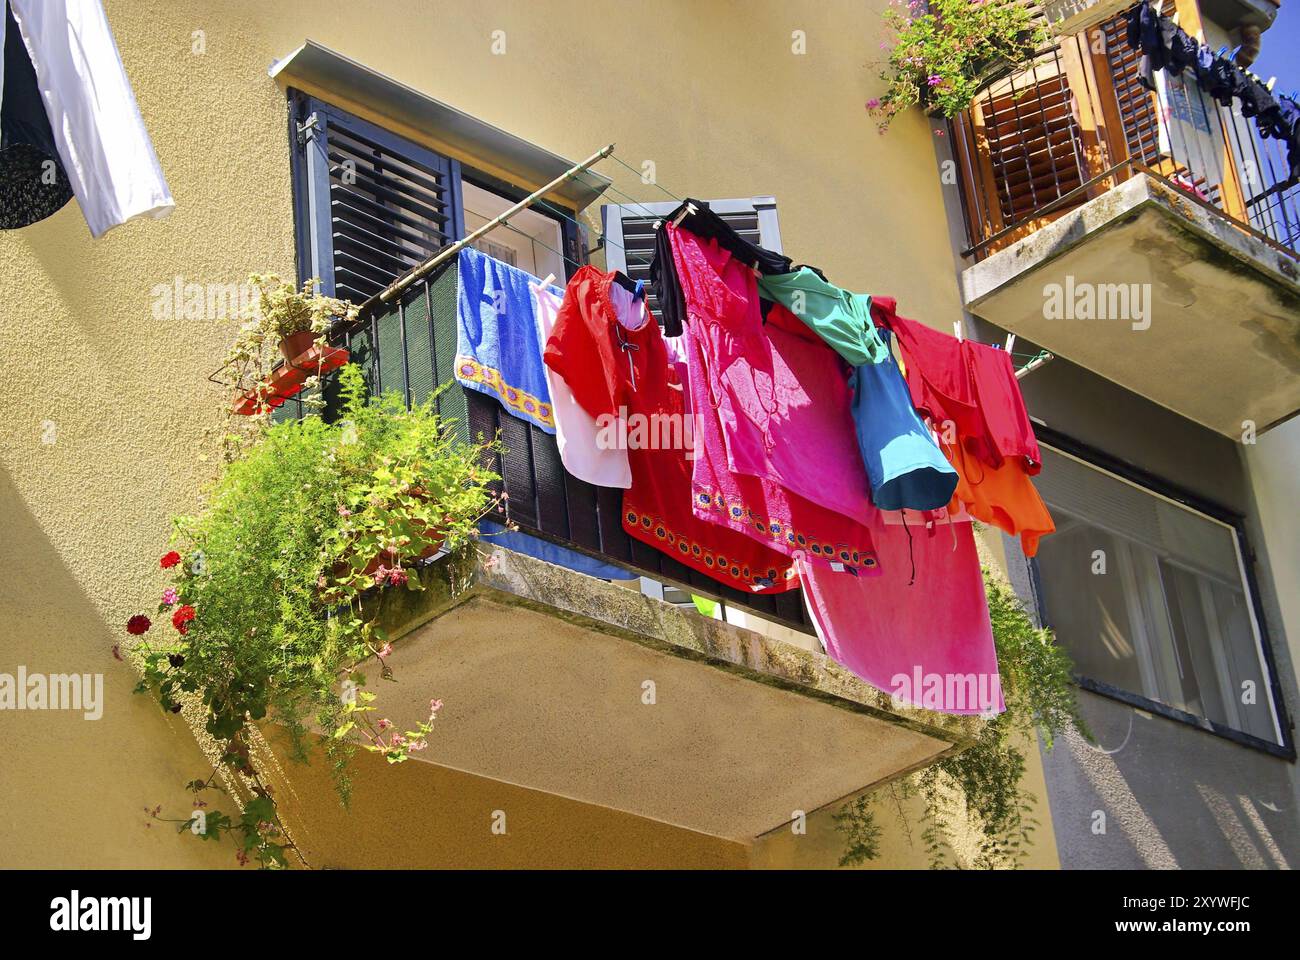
pixel 841 318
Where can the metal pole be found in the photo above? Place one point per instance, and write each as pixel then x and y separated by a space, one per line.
pixel 447 253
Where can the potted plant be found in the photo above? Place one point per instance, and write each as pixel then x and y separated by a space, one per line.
pixel 267 602
pixel 941 52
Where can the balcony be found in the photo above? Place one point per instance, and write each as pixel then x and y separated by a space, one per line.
pixel 582 690
pixel 1147 236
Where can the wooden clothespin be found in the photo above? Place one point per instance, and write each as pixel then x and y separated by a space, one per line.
pixel 956 331
pixel 690 209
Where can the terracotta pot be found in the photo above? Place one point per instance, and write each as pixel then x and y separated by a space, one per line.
pixel 296 344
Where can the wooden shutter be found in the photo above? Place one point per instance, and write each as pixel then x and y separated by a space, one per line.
pixel 1137 105
pixel 630 231
pixel 374 204
pixel 1034 144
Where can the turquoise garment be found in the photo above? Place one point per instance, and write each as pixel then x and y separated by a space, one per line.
pixel 841 318
pixel 904 464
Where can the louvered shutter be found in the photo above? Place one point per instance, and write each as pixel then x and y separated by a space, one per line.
pixel 374 204
pixel 1137 109
pixel 630 231
pixel 1034 143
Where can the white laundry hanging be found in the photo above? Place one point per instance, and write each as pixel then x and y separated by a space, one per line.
pixel 100 135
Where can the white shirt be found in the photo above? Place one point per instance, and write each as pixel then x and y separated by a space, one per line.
pixel 576 431
pixel 103 145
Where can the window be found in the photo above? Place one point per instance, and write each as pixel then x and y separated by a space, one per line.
pixel 630 237
pixel 1151 600
pixel 371 205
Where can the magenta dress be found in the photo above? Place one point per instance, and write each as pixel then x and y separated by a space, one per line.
pixel 923 638
pixel 776 457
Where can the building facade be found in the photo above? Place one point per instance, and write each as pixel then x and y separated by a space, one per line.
pixel 352 142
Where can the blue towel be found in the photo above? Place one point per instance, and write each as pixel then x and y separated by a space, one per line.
pixel 497 349
pixel 540 549
pixel 904 464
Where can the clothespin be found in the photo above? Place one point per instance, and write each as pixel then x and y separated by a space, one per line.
pixel 1175 18
pixel 690 209
pixel 658 224
pixel 550 278
pixel 956 331
pixel 1011 340
pixel 1271 81
pixel 1222 50
pixel 639 292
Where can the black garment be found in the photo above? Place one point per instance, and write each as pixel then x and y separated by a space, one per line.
pixel 1204 64
pixel 1182 52
pixel 666 287
pixel 1255 98
pixel 33 184
pixel 664 282
pixel 1224 82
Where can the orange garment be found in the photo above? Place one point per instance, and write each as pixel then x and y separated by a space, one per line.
pixel 1003 496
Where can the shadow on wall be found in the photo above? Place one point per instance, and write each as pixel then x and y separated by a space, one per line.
pixel 73 790
pixel 1156 793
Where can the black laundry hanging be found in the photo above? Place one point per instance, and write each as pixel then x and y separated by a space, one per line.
pixel 33 184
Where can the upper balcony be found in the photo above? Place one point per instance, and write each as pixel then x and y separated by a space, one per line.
pixel 1149 236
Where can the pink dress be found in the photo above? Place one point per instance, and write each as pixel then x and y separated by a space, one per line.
pixel 751 461
pixel 928 643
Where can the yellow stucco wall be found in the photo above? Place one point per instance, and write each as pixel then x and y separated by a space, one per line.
pixel 101 441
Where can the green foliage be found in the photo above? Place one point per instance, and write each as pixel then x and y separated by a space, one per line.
pixel 307 521
pixel 940 50
pixel 861 832
pixel 1037 685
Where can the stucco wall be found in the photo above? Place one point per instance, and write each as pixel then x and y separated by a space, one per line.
pixel 102 439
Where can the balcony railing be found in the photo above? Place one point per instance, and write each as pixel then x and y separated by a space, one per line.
pixel 1038 143
pixel 409 346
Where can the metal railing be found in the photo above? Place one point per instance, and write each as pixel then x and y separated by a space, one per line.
pixel 1081 120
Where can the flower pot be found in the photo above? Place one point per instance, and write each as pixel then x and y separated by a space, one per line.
pixel 296 344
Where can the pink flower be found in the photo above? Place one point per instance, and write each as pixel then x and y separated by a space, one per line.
pixel 435 706
pixel 384 724
pixel 397 577
pixel 344 511
pixel 398 740
pixel 386 650
pixel 170 596
pixel 934 80
pixel 873 104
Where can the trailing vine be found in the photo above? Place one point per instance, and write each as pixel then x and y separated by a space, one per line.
pixel 268 603
pixel 985 779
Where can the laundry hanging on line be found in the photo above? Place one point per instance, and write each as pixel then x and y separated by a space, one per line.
pixel 104 153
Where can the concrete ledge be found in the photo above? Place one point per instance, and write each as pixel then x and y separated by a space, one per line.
pixel 572 686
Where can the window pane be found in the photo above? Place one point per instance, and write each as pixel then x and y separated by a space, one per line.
pixel 1147 596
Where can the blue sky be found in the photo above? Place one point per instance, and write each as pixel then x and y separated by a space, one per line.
pixel 1280 53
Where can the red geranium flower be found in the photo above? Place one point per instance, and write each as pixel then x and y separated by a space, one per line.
pixel 138 624
pixel 182 616
pixel 170 560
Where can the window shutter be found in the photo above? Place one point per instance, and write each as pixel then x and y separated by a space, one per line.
pixel 374 204
pixel 1034 144
pixel 630 231
pixel 1137 110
